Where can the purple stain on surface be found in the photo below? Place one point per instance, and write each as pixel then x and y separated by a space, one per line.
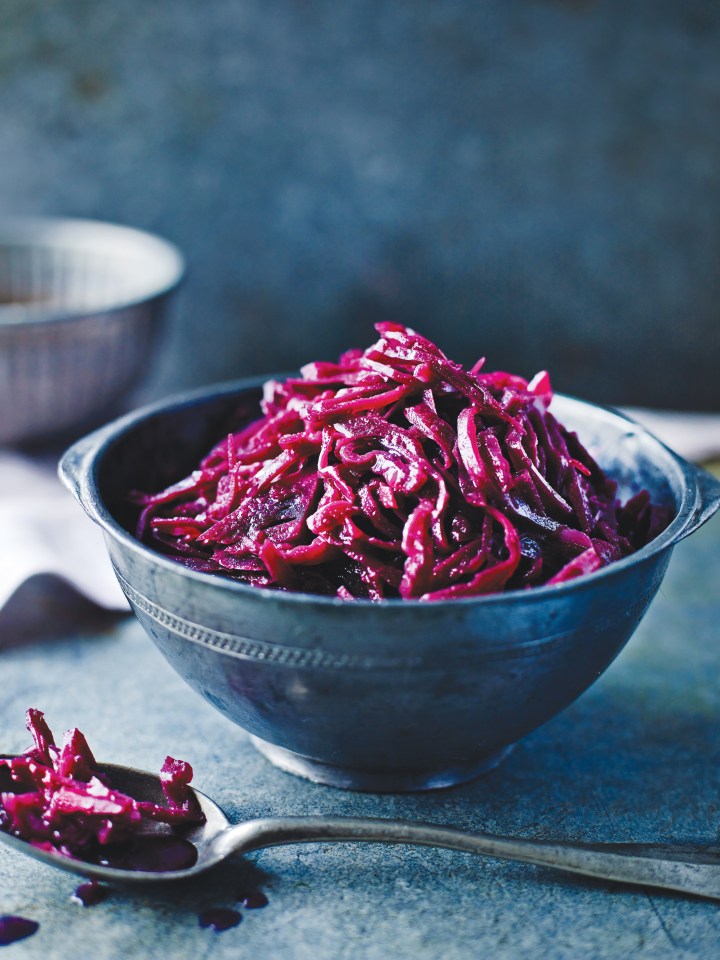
pixel 90 893
pixel 219 918
pixel 253 900
pixel 15 928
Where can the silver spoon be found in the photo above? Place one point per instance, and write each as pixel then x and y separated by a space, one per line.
pixel 688 869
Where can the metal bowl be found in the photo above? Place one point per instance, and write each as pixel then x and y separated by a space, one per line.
pixel 80 309
pixel 390 696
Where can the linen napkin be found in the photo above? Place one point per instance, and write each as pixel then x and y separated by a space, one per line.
pixel 43 530
pixel 695 436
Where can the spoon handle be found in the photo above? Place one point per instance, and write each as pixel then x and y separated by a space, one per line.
pixel 694 870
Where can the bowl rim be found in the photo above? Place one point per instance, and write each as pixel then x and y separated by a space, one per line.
pixel 65 232
pixel 79 466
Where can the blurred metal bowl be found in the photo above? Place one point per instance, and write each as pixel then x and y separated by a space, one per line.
pixel 397 695
pixel 81 304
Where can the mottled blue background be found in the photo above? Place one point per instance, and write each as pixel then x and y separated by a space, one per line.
pixel 535 181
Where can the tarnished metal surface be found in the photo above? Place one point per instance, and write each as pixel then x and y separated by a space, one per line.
pixel 690 868
pixel 400 695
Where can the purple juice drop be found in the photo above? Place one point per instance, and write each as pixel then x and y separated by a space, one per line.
pixel 152 854
pixel 219 918
pixel 90 893
pixel 15 928
pixel 253 900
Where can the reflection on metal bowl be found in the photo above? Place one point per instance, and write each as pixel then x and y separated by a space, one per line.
pixel 390 696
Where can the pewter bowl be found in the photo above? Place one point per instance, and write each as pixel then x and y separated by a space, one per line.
pixel 80 309
pixel 391 696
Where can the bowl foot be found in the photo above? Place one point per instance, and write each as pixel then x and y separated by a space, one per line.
pixel 370 781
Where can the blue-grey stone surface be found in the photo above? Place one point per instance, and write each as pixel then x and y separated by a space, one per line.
pixel 635 759
pixel 535 181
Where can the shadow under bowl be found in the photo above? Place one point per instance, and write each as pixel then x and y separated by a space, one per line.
pixel 392 696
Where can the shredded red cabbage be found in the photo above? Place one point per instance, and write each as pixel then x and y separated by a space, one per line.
pixel 396 473
pixel 62 802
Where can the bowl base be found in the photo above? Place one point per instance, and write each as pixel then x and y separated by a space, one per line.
pixel 371 781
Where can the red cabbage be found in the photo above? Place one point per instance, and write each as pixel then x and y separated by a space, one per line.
pixel 62 803
pixel 396 473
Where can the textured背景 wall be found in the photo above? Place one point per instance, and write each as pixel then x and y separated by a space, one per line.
pixel 537 182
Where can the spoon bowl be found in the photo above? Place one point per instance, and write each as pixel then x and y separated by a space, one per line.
pixel 688 869
pixel 143 786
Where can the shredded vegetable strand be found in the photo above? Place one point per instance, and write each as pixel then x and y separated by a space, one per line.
pixel 396 473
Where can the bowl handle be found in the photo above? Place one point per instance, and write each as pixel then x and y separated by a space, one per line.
pixel 76 469
pixel 707 500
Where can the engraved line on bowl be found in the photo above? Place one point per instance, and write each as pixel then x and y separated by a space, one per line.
pixel 257 649
pixel 248 649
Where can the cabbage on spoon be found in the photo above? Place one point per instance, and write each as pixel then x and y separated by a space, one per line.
pixel 62 803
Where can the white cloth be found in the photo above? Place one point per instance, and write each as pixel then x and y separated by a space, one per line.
pixel 695 436
pixel 43 530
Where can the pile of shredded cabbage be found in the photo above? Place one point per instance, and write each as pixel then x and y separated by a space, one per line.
pixel 62 803
pixel 396 473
